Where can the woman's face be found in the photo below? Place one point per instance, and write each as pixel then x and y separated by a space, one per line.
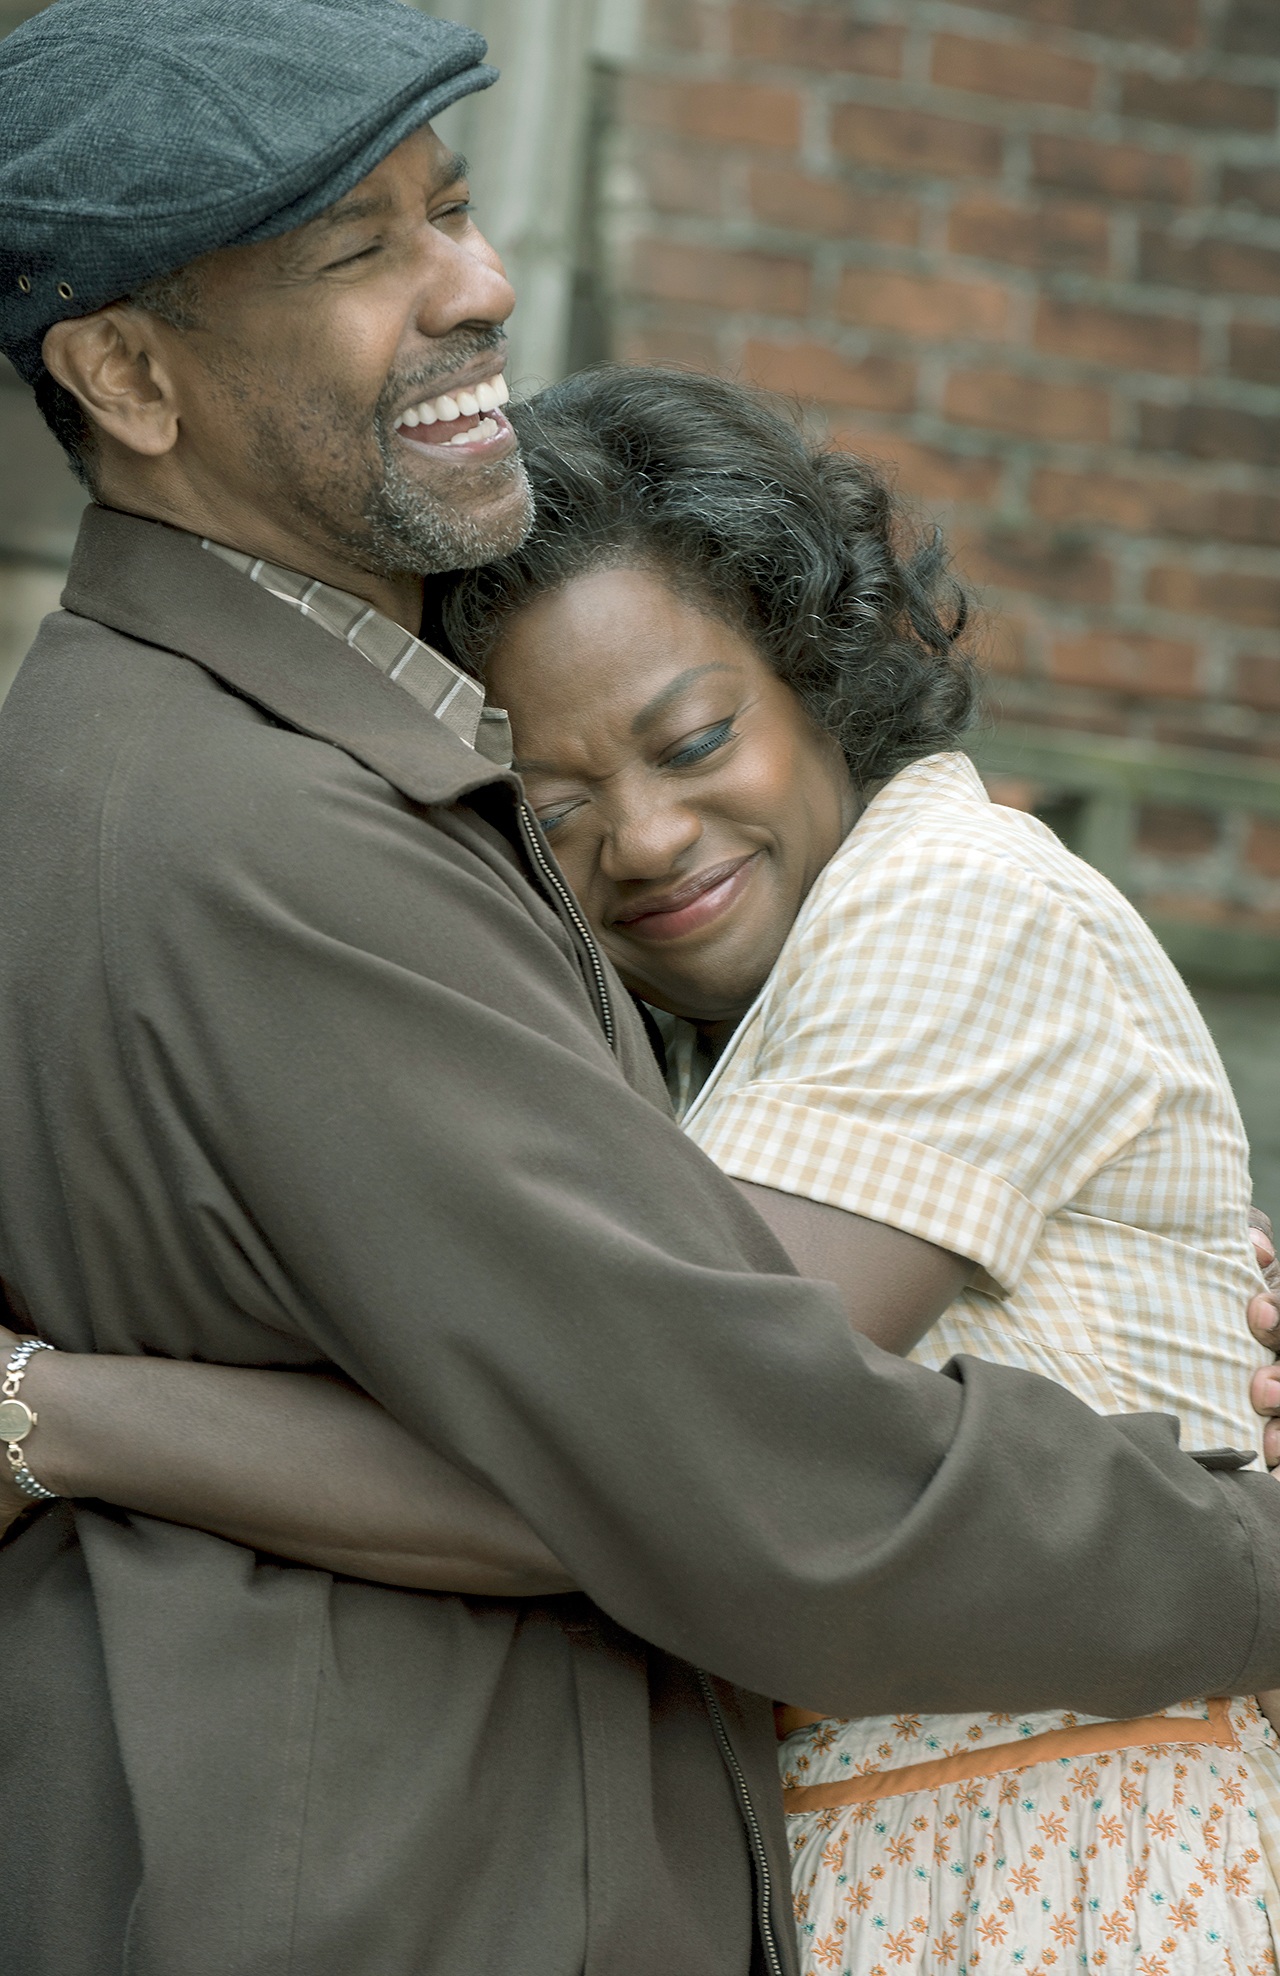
pixel 688 796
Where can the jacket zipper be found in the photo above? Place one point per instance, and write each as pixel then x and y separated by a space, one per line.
pixel 533 844
pixel 760 1858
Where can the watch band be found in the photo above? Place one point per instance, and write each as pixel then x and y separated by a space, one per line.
pixel 17 1420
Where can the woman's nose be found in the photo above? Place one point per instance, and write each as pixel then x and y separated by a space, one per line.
pixel 649 841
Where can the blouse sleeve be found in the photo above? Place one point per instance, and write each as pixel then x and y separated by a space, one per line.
pixel 941 1048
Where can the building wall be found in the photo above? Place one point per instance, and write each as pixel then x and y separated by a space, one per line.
pixel 1026 252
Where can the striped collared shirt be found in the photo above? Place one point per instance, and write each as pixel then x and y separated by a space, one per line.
pixel 452 696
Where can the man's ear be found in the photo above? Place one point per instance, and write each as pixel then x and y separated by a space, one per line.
pixel 114 363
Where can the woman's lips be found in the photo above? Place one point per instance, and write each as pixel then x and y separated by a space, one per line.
pixel 693 906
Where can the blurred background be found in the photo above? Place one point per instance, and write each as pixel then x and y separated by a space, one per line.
pixel 1026 253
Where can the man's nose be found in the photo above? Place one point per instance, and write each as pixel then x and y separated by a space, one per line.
pixel 463 282
pixel 648 842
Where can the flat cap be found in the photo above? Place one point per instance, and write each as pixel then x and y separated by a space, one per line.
pixel 138 134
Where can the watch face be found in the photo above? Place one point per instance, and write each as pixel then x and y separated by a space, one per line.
pixel 16 1420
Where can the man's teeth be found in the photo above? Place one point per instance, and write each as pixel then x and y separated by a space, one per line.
pixel 487 429
pixel 486 397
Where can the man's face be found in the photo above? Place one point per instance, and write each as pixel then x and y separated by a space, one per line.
pixel 311 349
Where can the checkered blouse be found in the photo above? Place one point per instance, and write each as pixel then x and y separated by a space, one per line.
pixel 972 1036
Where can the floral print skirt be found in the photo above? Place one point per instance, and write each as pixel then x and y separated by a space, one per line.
pixel 990 1850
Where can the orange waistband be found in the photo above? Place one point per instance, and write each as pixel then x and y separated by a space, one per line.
pixel 1090 1739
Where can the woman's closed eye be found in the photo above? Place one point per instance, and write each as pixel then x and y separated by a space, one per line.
pixel 690 753
pixel 552 817
pixel 696 750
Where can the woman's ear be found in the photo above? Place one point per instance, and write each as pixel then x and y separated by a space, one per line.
pixel 113 363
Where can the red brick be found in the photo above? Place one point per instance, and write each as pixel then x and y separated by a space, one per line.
pixel 685 25
pixel 1187 727
pixel 934 307
pixel 1255 352
pixel 782 196
pixel 1205 102
pixel 669 343
pixel 1229 514
pixel 1009 68
pixel 1200 909
pixel 816 38
pixel 1217 266
pixel 1122 340
pixel 1128 662
pixel 1258 681
pixel 1131 505
pixel 684 181
pixel 721 112
pixel 1189 906
pixel 1236 595
pixel 1031 407
pixel 1003 638
pixel 1164 506
pixel 1262 847
pixel 1056 236
pixel 1049 562
pixel 815 371
pixel 1211 432
pixel 1173 23
pixel 915 141
pixel 1014 792
pixel 1176 830
pixel 1116 171
pixel 1252 27
pixel 770 284
pixel 1253 185
pixel 927 472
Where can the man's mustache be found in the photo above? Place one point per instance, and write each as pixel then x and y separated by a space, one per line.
pixel 452 357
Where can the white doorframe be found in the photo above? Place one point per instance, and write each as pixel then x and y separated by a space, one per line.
pixel 525 140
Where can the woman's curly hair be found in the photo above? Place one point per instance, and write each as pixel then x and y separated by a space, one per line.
pixel 805 550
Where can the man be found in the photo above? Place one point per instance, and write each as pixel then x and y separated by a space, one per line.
pixel 308 1060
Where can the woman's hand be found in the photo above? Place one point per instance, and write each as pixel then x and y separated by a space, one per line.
pixel 1264 1322
pixel 301 1464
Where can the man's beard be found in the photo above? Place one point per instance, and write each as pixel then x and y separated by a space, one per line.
pixel 411 530
pixel 404 527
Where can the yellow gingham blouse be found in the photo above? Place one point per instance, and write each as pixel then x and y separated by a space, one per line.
pixel 971 1035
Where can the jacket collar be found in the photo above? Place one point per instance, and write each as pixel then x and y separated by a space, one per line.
pixel 157 584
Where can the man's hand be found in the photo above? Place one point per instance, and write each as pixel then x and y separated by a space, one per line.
pixel 1264 1322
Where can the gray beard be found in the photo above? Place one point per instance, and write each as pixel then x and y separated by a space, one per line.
pixel 410 532
pixel 404 528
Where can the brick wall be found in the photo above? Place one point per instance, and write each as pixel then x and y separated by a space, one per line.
pixel 1028 251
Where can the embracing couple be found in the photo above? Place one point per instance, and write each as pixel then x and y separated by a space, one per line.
pixel 430 1463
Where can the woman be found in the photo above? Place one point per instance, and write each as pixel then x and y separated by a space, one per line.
pixel 926 1040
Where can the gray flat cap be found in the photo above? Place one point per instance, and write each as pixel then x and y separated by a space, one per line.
pixel 138 134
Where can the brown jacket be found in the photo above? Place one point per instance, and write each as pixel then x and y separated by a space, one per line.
pixel 303 1063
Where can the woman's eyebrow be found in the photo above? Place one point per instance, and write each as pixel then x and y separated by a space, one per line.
pixel 647 714
pixel 672 691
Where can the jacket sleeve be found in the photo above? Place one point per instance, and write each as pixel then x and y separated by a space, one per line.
pixel 384 1099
